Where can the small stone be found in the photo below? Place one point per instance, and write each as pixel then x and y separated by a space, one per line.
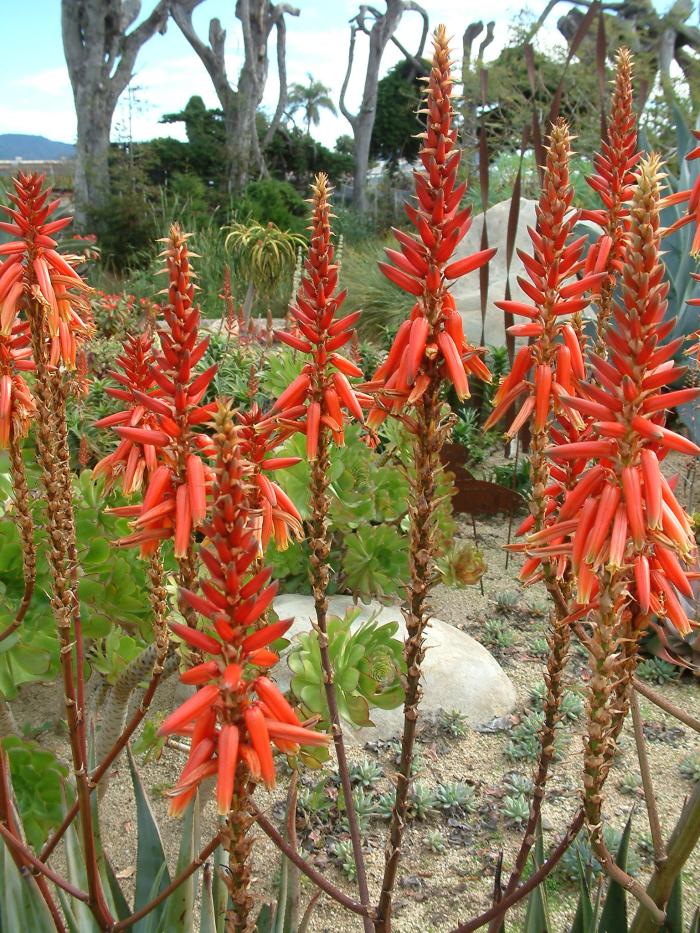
pixel 458 673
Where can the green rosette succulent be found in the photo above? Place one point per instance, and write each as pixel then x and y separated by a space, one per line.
pixel 368 665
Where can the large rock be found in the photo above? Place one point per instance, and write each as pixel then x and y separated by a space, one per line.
pixel 466 290
pixel 458 672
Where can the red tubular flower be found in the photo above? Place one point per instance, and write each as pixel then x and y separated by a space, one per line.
pixel 613 182
pixel 691 196
pixel 169 417
pixel 557 289
pixel 432 341
pixel 238 712
pixel 630 525
pixel 33 263
pixel 321 391
pixel 17 408
pixel 259 435
pixel 131 460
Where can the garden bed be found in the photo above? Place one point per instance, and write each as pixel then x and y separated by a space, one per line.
pixel 437 889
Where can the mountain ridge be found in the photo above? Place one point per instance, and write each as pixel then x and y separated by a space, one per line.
pixel 34 148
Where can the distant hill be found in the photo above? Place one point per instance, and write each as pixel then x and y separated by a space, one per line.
pixel 34 148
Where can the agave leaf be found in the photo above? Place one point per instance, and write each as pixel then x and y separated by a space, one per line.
pixel 179 907
pixel 68 915
pixel 584 921
pixel 207 912
pixel 150 857
pixel 614 916
pixel 219 889
pixel 537 916
pixel 151 921
pixel 674 908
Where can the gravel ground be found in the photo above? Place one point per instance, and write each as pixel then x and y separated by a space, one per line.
pixel 436 890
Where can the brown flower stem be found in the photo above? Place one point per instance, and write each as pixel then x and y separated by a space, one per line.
pixel 238 844
pixel 428 441
pixel 51 427
pixel 647 783
pixel 311 873
pixel 169 889
pixel 26 532
pixel 615 873
pixel 682 843
pixel 158 598
pixel 607 709
pixel 535 879
pixel 7 819
pixel 28 857
pixel 559 640
pixel 680 714
pixel 320 573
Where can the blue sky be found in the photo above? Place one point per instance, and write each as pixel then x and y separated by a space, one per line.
pixel 37 98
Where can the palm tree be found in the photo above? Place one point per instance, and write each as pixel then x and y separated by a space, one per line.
pixel 311 98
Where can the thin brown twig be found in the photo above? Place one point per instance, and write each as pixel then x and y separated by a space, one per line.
pixel 100 770
pixel 311 873
pixel 532 882
pixel 647 784
pixel 665 705
pixel 320 572
pixel 40 866
pixel 173 886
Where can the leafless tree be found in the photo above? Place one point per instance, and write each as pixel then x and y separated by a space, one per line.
pixel 258 19
pixel 380 33
pixel 101 54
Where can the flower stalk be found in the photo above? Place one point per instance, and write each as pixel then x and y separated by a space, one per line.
pixel 429 350
pixel 323 394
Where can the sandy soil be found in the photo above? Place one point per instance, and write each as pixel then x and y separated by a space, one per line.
pixel 437 890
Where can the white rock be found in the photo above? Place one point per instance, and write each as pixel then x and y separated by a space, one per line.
pixel 466 290
pixel 458 672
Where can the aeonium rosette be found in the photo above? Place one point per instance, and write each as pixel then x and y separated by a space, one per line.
pixel 431 343
pixel 237 713
pixel 322 390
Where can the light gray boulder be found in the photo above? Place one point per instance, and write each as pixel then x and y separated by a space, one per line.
pixel 466 290
pixel 458 672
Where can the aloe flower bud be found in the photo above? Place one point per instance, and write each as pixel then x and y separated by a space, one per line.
pixel 33 263
pixel 432 342
pixel 238 712
pixel 321 395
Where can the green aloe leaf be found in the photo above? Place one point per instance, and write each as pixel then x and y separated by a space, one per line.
pixel 150 856
pixel 537 916
pixel 584 921
pixel 179 907
pixel 614 916
pixel 674 908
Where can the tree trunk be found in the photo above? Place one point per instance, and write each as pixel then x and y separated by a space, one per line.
pixel 100 54
pixel 258 18
pixel 91 185
pixel 362 123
